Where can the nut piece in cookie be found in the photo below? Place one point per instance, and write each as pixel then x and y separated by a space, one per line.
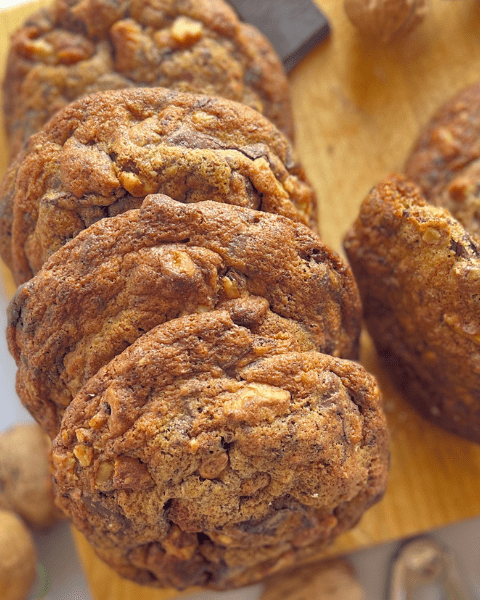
pixel 78 47
pixel 25 480
pixel 124 275
pixel 17 558
pixel 103 154
pixel 418 271
pixel 206 454
pixel 445 161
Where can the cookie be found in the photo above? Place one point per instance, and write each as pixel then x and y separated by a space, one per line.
pixel 445 161
pixel 418 271
pixel 78 47
pixel 124 275
pixel 103 154
pixel 205 455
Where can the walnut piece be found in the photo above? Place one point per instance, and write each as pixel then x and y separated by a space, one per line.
pixel 386 20
pixel 25 480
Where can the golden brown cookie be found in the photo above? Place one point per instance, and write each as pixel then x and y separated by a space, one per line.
pixel 103 154
pixel 77 47
pixel 418 271
pixel 208 454
pixel 124 275
pixel 445 162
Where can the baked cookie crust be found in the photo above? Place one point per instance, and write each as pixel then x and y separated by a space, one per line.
pixel 103 154
pixel 124 275
pixel 418 271
pixel 445 161
pixel 198 458
pixel 75 48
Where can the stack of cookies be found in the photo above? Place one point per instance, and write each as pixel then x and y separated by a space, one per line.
pixel 180 330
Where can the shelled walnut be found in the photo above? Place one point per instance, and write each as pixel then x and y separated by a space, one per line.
pixel 25 480
pixel 386 20
pixel 17 558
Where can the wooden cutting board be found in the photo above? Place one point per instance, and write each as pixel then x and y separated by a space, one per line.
pixel 359 107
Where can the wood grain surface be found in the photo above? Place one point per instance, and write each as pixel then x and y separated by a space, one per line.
pixel 359 107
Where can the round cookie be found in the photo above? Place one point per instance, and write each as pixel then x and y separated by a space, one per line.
pixel 103 154
pixel 418 271
pixel 124 275
pixel 205 455
pixel 77 47
pixel 445 162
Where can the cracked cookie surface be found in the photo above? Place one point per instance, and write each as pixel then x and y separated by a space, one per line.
pixel 418 271
pixel 78 47
pixel 124 275
pixel 209 454
pixel 103 154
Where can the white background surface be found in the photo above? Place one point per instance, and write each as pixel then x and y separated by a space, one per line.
pixel 8 3
pixel 57 555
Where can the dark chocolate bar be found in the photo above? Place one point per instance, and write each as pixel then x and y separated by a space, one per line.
pixel 294 27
